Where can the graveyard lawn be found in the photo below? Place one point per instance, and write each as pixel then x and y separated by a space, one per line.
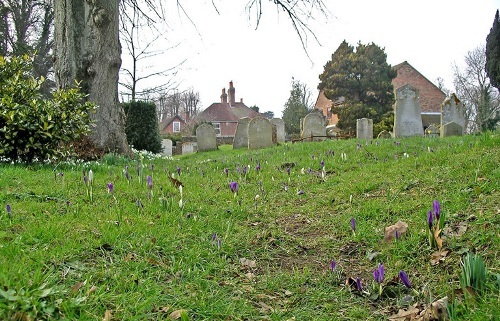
pixel 284 233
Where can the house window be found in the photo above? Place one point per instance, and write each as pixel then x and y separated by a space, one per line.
pixel 217 128
pixel 177 126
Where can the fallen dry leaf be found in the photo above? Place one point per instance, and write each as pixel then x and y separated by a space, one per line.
pixel 77 286
pixel 390 231
pixel 91 290
pixel 439 241
pixel 249 276
pixel 177 314
pixel 456 230
pixel 107 316
pixel 246 262
pixel 405 315
pixel 438 256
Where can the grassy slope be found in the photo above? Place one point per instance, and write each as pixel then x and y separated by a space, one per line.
pixel 162 258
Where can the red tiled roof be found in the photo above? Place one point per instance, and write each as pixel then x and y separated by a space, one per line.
pixel 223 112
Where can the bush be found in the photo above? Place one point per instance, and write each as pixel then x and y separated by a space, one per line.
pixel 141 126
pixel 32 127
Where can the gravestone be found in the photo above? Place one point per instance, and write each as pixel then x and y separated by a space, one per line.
pixel 364 128
pixel 384 135
pixel 432 131
pixel 314 124
pixel 166 145
pixel 260 133
pixel 451 129
pixel 280 129
pixel 188 148
pixel 241 136
pixel 407 113
pixel 452 110
pixel 206 137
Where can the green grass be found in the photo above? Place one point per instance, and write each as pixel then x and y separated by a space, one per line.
pixel 160 258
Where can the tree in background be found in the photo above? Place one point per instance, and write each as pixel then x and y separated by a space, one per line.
pixel 26 27
pixel 297 107
pixel 186 103
pixel 493 53
pixel 480 98
pixel 363 77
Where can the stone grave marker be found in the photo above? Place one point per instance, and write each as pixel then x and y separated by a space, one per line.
pixel 432 131
pixel 260 133
pixel 188 148
pixel 206 137
pixel 314 124
pixel 364 128
pixel 451 129
pixel 280 129
pixel 241 136
pixel 452 110
pixel 166 145
pixel 407 113
pixel 384 135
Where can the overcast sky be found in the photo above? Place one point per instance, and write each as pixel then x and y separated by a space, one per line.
pixel 223 46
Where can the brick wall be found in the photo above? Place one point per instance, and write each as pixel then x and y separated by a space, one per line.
pixel 431 96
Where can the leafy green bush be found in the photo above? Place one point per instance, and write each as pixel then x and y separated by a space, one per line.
pixel 32 127
pixel 141 126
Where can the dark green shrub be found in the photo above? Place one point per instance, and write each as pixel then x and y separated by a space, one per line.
pixel 32 127
pixel 141 126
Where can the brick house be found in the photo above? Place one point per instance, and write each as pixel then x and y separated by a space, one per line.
pixel 172 125
pixel 431 96
pixel 224 116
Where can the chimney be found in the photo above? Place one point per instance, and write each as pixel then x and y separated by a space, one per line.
pixel 241 100
pixel 231 91
pixel 223 97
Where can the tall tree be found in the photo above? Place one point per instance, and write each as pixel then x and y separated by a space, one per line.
pixel 481 100
pixel 493 53
pixel 88 50
pixel 297 107
pixel 363 78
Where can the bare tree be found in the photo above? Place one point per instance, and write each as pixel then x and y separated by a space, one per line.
pixel 26 27
pixel 190 102
pixel 472 86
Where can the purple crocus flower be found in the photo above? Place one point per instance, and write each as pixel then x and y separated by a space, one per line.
pixel 404 279
pixel 8 209
pixel 234 187
pixel 430 219
pixel 396 234
pixel 214 237
pixel 226 171
pixel 359 287
pixel 322 163
pixel 150 182
pixel 288 171
pixel 436 207
pixel 378 274
pixel 353 224
pixel 244 170
pixel 333 265
pixel 110 188
pixel 257 168
pixel 178 170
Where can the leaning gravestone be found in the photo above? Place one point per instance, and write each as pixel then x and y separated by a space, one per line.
pixel 166 145
pixel 241 136
pixel 260 133
pixel 280 129
pixel 314 125
pixel 452 110
pixel 407 113
pixel 206 137
pixel 451 129
pixel 432 131
pixel 364 128
pixel 384 135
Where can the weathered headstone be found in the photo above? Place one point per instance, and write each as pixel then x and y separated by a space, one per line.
pixel 451 129
pixel 432 131
pixel 260 133
pixel 241 136
pixel 206 137
pixel 188 148
pixel 364 128
pixel 166 145
pixel 384 135
pixel 452 110
pixel 280 129
pixel 314 124
pixel 407 113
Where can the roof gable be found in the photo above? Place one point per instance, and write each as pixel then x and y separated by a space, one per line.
pixel 223 112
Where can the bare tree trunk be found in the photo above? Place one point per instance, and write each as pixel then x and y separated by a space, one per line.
pixel 87 50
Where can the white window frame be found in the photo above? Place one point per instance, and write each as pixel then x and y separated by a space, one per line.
pixel 217 128
pixel 176 124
